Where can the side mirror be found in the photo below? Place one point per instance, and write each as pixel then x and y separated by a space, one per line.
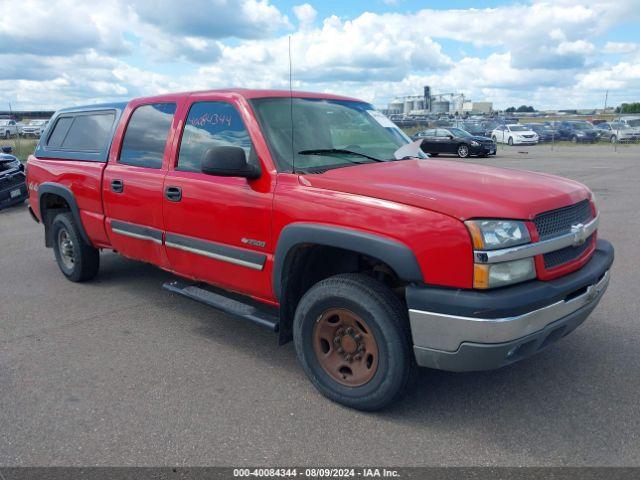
pixel 6 149
pixel 228 161
pixel 450 137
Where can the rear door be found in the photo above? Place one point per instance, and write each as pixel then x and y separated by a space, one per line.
pixel 133 180
pixel 429 142
pixel 218 229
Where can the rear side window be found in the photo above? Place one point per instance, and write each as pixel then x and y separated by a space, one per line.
pixel 84 132
pixel 89 132
pixel 211 124
pixel 59 132
pixel 146 136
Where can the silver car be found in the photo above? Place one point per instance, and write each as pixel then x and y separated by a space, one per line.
pixel 615 132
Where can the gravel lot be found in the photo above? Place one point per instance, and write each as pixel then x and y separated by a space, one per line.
pixel 121 372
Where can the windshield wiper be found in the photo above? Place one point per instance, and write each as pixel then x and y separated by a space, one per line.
pixel 330 151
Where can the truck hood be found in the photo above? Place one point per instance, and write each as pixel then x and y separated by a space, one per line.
pixel 457 189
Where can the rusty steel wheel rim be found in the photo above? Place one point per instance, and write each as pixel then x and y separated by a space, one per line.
pixel 345 347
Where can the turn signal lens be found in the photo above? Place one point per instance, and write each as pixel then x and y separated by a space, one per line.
pixel 480 276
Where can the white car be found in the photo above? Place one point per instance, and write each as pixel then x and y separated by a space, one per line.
pixel 34 128
pixel 514 134
pixel 9 128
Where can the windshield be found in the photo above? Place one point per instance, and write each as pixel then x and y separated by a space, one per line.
pixel 619 126
pixel 458 132
pixel 582 126
pixel 329 133
pixel 518 128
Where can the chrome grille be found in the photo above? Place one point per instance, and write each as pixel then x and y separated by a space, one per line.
pixel 566 254
pixel 558 222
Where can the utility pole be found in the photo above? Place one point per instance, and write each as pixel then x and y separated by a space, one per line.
pixel 606 97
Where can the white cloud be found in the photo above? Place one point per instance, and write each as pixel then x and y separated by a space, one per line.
pixel 620 47
pixel 305 14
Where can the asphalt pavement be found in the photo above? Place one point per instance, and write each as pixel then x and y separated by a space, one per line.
pixel 120 372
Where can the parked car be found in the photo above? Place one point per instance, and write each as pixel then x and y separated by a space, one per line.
pixel 615 132
pixel 13 187
pixel 546 133
pixel 343 237
pixel 474 128
pixel 488 126
pixel 34 128
pixel 9 128
pixel 576 131
pixel 455 141
pixel 514 134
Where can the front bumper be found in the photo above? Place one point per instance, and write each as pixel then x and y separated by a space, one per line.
pixel 482 149
pixel 466 330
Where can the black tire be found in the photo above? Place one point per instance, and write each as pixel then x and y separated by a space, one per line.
pixel 386 317
pixel 434 154
pixel 614 139
pixel 510 141
pixel 574 139
pixel 77 260
pixel 463 150
pixel 494 138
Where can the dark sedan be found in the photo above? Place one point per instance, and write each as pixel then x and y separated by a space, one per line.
pixel 13 187
pixel 455 141
pixel 577 131
pixel 546 133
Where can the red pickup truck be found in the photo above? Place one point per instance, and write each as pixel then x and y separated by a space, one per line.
pixel 316 217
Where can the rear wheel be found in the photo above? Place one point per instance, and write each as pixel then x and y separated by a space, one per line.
pixel 495 140
pixel 574 139
pixel 463 150
pixel 77 260
pixel 614 139
pixel 510 141
pixel 352 338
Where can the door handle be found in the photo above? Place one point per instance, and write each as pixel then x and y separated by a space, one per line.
pixel 173 194
pixel 117 186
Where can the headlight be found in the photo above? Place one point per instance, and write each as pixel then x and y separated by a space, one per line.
pixel 474 143
pixel 505 273
pixel 492 234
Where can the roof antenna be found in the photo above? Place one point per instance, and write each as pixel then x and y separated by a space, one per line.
pixel 293 153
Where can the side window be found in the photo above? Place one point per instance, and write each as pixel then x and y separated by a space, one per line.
pixel 211 124
pixel 89 132
pixel 146 135
pixel 60 130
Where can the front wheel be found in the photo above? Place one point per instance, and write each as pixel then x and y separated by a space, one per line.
pixel 77 260
pixel 614 139
pixel 352 338
pixel 463 150
pixel 495 140
pixel 510 142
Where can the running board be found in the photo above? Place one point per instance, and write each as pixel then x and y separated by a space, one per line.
pixel 225 304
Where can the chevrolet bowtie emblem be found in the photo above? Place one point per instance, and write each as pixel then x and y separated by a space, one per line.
pixel 579 233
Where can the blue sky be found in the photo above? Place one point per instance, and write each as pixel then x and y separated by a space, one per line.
pixel 546 53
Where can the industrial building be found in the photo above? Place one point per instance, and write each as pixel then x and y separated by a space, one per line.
pixel 450 103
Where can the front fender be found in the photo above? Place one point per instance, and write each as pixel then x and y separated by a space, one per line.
pixel 395 254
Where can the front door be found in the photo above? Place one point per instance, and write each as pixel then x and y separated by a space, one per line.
pixel 132 184
pixel 218 229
